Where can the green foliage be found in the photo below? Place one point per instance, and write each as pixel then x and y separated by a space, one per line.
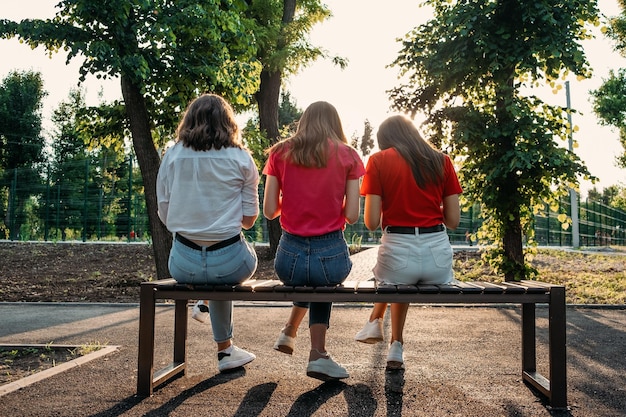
pixel 86 174
pixel 172 50
pixel 288 112
pixel 467 70
pixel 613 196
pixel 257 142
pixel 365 143
pixel 165 53
pixel 356 241
pixel 284 46
pixel 609 104
pixel 21 145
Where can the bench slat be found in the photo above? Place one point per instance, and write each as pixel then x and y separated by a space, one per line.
pixel 303 288
pixel 266 286
pixel 366 287
pixel 224 288
pixel 386 289
pixel 532 288
pixel 347 287
pixel 246 286
pixel 329 289
pixel 407 289
pixel 469 287
pixel 490 287
pixel 510 288
pixel 537 284
pixel 284 288
pixel 427 289
pixel 449 289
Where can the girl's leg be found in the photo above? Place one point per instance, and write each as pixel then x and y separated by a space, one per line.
pixel 321 365
pixel 378 312
pixel 398 318
pixel 295 318
pixel 319 319
pixel 318 342
pixel 222 322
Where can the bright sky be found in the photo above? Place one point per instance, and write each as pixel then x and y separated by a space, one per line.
pixel 366 35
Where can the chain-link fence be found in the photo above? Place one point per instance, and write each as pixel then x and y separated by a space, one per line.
pixel 96 203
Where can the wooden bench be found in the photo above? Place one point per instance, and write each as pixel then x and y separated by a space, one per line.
pixel 526 293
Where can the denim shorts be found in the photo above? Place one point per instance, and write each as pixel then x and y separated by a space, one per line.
pixel 230 265
pixel 313 261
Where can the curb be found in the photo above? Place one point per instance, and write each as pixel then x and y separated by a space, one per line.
pixel 39 376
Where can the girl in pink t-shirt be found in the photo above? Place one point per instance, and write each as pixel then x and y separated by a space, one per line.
pixel 312 183
pixel 411 191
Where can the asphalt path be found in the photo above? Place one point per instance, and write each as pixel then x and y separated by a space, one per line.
pixel 460 361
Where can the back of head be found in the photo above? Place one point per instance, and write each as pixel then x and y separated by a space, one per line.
pixel 400 133
pixel 309 145
pixel 209 123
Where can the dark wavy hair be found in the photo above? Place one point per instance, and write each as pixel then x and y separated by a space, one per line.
pixel 426 162
pixel 209 123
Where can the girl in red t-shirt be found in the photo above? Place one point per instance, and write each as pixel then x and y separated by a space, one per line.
pixel 313 184
pixel 411 191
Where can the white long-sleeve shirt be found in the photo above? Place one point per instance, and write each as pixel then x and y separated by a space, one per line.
pixel 205 194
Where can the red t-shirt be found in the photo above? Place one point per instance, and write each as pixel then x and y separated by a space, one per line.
pixel 403 202
pixel 313 197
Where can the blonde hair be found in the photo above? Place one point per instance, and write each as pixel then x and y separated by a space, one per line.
pixel 426 162
pixel 309 145
pixel 209 123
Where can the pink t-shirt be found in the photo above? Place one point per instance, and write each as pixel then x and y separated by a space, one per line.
pixel 403 202
pixel 313 198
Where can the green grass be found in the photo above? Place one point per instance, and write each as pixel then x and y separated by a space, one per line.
pixel 589 277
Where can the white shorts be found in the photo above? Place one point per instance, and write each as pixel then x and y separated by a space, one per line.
pixel 414 259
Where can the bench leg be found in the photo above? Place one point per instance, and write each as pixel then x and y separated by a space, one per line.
pixel 145 361
pixel 529 350
pixel 558 351
pixel 555 388
pixel 180 332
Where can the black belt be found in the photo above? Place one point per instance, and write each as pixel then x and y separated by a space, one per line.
pixel 405 230
pixel 218 245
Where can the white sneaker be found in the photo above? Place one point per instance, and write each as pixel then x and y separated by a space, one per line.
pixel 371 333
pixel 200 311
pixel 326 369
pixel 285 343
pixel 395 356
pixel 233 357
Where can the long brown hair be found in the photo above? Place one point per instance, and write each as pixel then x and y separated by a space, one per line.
pixel 209 123
pixel 309 145
pixel 426 162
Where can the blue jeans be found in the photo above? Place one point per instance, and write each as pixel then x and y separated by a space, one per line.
pixel 230 265
pixel 313 261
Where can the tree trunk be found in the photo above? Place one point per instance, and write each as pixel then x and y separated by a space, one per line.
pixel 513 250
pixel 149 161
pixel 267 99
pixel 514 266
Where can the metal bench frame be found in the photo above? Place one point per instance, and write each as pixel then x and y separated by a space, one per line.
pixel 526 293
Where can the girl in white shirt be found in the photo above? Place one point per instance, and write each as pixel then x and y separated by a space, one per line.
pixel 207 191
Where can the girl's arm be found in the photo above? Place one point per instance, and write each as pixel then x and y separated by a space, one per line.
pixel 451 211
pixel 248 221
pixel 271 198
pixel 351 207
pixel 372 212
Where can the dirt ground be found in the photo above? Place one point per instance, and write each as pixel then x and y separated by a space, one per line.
pixel 78 272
